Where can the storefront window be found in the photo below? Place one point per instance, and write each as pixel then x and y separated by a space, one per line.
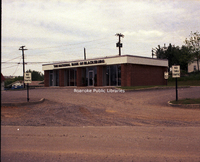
pixel 113 75
pixel 51 78
pixel 83 77
pixel 54 78
pixel 108 75
pixel 72 77
pixel 57 77
pixel 95 76
pixel 91 76
pixel 75 82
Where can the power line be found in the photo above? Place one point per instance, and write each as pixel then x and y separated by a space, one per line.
pixel 25 62
pixel 9 67
pixel 17 67
pixel 69 44
pixel 12 59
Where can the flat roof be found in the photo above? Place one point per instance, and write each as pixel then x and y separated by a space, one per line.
pixel 109 60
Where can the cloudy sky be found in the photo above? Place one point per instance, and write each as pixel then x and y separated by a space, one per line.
pixel 58 30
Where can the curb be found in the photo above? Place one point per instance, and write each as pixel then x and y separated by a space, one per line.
pixel 193 106
pixel 22 103
pixel 154 88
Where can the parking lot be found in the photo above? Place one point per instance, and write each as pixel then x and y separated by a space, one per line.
pixel 98 126
pixel 67 107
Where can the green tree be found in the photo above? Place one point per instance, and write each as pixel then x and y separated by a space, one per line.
pixel 175 55
pixel 36 76
pixel 184 57
pixel 193 43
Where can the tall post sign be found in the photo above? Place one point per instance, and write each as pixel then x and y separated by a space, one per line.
pixel 176 71
pixel 27 80
pixel 176 74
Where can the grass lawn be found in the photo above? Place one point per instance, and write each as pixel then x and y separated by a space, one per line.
pixel 190 80
pixel 184 83
pixel 187 101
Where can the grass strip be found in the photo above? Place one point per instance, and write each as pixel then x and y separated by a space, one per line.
pixel 187 101
pixel 184 83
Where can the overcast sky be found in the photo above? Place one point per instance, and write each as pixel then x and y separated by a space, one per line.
pixel 58 30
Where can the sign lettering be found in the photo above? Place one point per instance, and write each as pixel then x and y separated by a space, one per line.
pixel 176 71
pixel 27 78
pixel 80 63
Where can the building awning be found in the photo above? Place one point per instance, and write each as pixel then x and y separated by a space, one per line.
pixel 114 60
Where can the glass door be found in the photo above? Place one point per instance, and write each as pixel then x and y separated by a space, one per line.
pixel 51 78
pixel 91 78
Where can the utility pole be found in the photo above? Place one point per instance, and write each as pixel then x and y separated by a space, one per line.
pixel 119 44
pixel 84 54
pixel 22 48
pixel 152 52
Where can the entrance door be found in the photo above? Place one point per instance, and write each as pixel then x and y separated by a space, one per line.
pixel 91 78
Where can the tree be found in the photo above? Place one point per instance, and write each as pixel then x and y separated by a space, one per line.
pixel 175 55
pixel 36 76
pixel 193 43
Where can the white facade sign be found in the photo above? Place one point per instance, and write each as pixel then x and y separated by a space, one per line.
pixel 27 78
pixel 176 71
pixel 166 75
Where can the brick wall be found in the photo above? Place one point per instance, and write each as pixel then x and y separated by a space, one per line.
pixel 79 76
pixel 126 75
pixel 140 75
pixel 148 75
pixel 46 78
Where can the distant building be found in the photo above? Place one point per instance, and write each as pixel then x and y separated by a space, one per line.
pixel 2 82
pixel 19 84
pixel 192 67
pixel 16 85
pixel 126 70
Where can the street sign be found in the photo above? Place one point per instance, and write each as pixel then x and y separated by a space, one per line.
pixel 166 75
pixel 27 78
pixel 176 74
pixel 176 71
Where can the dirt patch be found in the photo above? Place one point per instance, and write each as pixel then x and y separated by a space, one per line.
pixel 85 112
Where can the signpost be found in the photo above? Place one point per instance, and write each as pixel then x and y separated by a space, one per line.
pixel 176 74
pixel 27 80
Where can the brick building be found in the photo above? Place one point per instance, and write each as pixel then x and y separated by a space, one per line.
pixel 126 70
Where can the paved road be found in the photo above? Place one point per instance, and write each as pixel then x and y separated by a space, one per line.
pixel 70 126
pixel 105 144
